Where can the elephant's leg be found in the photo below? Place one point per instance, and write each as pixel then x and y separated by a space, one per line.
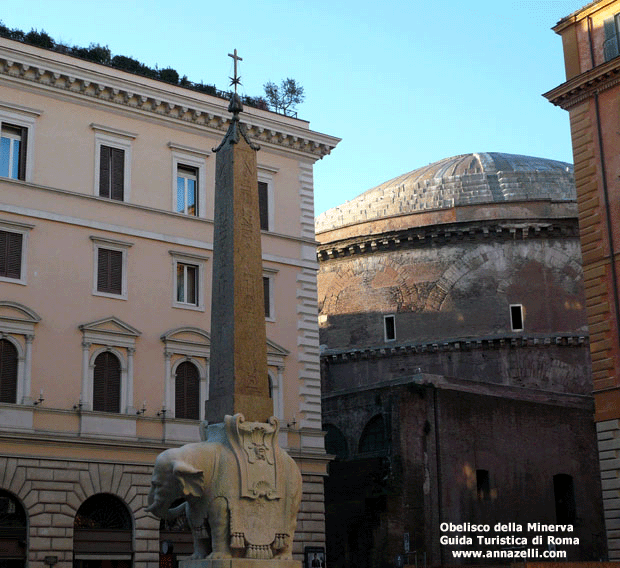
pixel 196 519
pixel 220 533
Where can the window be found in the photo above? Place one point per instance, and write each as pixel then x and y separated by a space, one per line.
pixel 267 296
pixel 110 278
pixel 16 150
pixel 389 328
pixel 610 45
pixel 108 349
pixel 187 283
pixel 189 270
pixel 516 317
pixel 263 204
pixel 189 188
pixel 13 143
pixel 112 173
pixel 112 162
pixel 13 245
pixel 265 196
pixel 483 487
pixel 187 391
pixel 10 255
pixel 8 372
pixel 107 383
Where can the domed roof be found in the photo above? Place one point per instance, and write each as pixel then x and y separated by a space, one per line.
pixel 468 179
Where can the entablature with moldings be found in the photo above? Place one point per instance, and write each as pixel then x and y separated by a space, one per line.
pixel 69 75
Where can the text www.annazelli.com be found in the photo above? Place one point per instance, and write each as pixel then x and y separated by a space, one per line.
pixel 526 553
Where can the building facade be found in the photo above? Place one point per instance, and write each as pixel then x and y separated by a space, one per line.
pixel 590 95
pixel 455 362
pixel 106 232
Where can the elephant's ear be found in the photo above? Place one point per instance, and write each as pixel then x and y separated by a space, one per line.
pixel 192 479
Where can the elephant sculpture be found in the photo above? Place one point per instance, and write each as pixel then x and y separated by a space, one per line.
pixel 240 482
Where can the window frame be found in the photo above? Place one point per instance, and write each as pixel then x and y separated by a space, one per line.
pixel 109 244
pixel 522 316
pixel 190 260
pixel 269 275
pixel 121 140
pixel 391 317
pixel 24 231
pixel 22 117
pixel 266 175
pixel 191 158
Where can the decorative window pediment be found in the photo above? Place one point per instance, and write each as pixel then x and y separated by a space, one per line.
pixel 110 330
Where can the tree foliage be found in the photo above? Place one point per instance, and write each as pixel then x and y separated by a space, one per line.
pixel 283 98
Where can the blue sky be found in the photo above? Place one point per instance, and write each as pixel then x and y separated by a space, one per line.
pixel 404 83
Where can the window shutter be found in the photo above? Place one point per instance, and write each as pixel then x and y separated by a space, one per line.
pixel 107 383
pixel 266 296
pixel 8 372
pixel 21 174
pixel 118 173
pixel 104 171
pixel 263 205
pixel 10 254
pixel 610 45
pixel 110 271
pixel 187 392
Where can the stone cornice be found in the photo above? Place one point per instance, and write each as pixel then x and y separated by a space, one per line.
pixel 585 85
pixel 335 356
pixel 76 78
pixel 477 231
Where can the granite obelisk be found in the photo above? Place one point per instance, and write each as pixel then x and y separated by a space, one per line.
pixel 238 381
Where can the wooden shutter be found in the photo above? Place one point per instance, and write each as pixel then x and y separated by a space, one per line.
pixel 187 392
pixel 107 383
pixel 610 45
pixel 263 205
pixel 8 372
pixel 110 271
pixel 117 168
pixel 104 171
pixel 10 254
pixel 266 296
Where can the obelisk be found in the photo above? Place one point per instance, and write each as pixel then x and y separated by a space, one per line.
pixel 238 380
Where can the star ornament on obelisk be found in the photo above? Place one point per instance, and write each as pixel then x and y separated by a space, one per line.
pixel 238 381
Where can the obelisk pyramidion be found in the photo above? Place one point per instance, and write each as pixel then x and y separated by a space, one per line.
pixel 238 381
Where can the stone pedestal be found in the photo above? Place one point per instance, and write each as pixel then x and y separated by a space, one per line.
pixel 239 563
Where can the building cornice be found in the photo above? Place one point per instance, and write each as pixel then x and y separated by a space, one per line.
pixel 585 85
pixel 78 79
pixel 335 356
pixel 472 231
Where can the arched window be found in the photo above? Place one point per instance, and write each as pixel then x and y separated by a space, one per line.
pixel 335 442
pixel 8 371
pixel 13 531
pixel 102 529
pixel 187 391
pixel 107 383
pixel 373 436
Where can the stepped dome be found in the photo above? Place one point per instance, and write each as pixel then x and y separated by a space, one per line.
pixel 469 179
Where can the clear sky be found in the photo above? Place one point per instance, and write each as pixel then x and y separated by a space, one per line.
pixel 404 83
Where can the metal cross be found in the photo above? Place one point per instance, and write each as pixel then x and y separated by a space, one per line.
pixel 236 80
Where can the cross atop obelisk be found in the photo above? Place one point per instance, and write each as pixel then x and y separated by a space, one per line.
pixel 238 381
pixel 236 80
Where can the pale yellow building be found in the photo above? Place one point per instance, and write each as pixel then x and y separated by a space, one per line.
pixel 106 232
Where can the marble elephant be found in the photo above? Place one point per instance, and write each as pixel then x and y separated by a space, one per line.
pixel 207 475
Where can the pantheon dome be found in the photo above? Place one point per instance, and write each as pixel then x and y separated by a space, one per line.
pixel 452 324
pixel 469 179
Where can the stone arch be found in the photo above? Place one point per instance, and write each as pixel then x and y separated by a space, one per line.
pixel 335 442
pixel 13 531
pixel 103 529
pixel 373 438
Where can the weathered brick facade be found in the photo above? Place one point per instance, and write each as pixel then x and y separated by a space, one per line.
pixel 475 400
